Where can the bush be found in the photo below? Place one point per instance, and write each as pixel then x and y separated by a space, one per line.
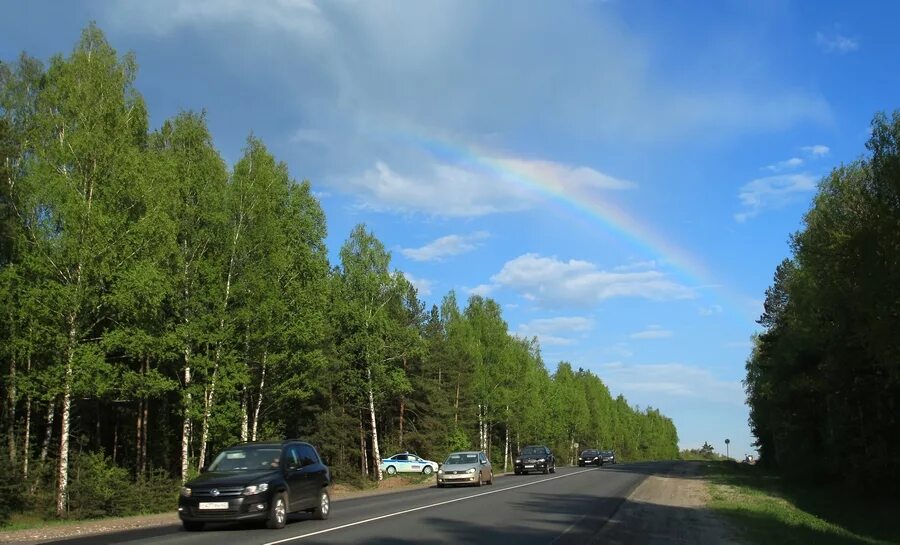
pixel 98 488
pixel 10 491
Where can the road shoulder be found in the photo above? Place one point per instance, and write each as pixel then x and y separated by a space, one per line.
pixel 667 509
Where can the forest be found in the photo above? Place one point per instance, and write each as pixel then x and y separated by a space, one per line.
pixel 158 305
pixel 823 381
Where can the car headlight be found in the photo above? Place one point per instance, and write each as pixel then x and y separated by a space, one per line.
pixel 255 489
pixel 542 460
pixel 518 460
pixel 470 470
pixel 440 472
pixel 185 492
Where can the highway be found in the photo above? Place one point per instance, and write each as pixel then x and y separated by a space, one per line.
pixel 567 507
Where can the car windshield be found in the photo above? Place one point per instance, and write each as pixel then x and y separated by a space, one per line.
pixel 528 451
pixel 462 458
pixel 246 459
pixel 589 453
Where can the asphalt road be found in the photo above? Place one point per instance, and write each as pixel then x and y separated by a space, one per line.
pixel 567 507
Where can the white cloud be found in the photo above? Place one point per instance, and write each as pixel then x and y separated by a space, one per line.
pixel 446 246
pixel 482 290
pixel 423 287
pixel 773 192
pixel 637 266
pixel 652 332
pixel 671 380
pixel 817 150
pixel 710 310
pixel 555 331
pixel 835 42
pixel 787 164
pixel 450 190
pixel 552 282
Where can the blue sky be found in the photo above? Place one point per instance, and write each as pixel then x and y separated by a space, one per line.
pixel 622 177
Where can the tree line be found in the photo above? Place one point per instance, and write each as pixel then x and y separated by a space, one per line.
pixel 159 305
pixel 823 380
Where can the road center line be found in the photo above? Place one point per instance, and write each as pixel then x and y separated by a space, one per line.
pixel 405 511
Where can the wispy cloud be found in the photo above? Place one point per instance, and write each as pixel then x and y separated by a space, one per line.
pixel 711 310
pixel 773 192
pixel 787 164
pixel 552 282
pixel 482 290
pixel 831 42
pixel 423 287
pixel 556 331
pixel 671 380
pixel 817 150
pixel 652 332
pixel 446 246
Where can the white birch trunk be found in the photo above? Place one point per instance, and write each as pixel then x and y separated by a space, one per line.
pixel 186 421
pixel 245 415
pixel 506 450
pixel 11 411
pixel 48 434
pixel 259 398
pixel 376 454
pixel 63 466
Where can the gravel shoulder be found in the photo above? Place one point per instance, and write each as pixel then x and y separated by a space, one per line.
pixel 668 509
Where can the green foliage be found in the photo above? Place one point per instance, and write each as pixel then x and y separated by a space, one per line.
pixel 823 379
pixel 96 488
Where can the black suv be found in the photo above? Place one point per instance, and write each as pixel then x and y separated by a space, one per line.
pixel 535 458
pixel 589 456
pixel 257 481
pixel 607 457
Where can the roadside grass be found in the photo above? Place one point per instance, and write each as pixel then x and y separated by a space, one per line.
pixel 767 509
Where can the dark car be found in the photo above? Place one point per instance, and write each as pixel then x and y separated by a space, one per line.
pixel 589 457
pixel 257 482
pixel 607 457
pixel 535 458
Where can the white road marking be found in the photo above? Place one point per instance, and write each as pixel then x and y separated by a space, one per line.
pixel 405 511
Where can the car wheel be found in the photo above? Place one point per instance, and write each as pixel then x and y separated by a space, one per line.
pixel 427 470
pixel 546 469
pixel 553 469
pixel 277 512
pixel 192 525
pixel 323 508
pixel 492 477
pixel 391 470
pixel 440 485
pixel 517 472
pixel 480 479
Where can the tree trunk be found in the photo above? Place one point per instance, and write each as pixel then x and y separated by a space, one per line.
pixel 146 437
pixel 456 405
pixel 11 411
pixel 480 429
pixel 63 466
pixel 259 398
pixel 186 422
pixel 506 450
pixel 138 432
pixel 115 438
pixel 402 407
pixel 363 456
pixel 376 454
pixel 245 416
pixel 48 434
pixel 26 447
pixel 207 410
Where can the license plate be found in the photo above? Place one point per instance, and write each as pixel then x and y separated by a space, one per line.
pixel 213 505
pixel 530 465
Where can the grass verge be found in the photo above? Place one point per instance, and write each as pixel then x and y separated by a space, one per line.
pixel 766 509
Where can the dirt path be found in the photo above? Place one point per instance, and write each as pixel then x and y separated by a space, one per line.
pixel 667 510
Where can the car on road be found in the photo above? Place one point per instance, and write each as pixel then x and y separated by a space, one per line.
pixel 258 481
pixel 589 457
pixel 468 467
pixel 535 458
pixel 406 462
pixel 607 457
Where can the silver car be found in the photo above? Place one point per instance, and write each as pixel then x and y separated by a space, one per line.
pixel 470 467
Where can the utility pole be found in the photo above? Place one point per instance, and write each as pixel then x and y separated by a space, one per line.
pixel 727 442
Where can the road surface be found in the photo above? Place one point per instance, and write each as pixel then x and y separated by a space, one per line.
pixel 570 506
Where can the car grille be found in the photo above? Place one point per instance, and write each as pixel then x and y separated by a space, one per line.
pixel 224 492
pixel 455 472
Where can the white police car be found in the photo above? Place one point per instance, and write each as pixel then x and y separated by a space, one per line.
pixel 407 463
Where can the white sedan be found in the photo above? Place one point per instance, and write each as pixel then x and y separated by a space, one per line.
pixel 407 463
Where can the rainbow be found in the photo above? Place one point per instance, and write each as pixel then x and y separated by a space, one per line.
pixel 547 179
